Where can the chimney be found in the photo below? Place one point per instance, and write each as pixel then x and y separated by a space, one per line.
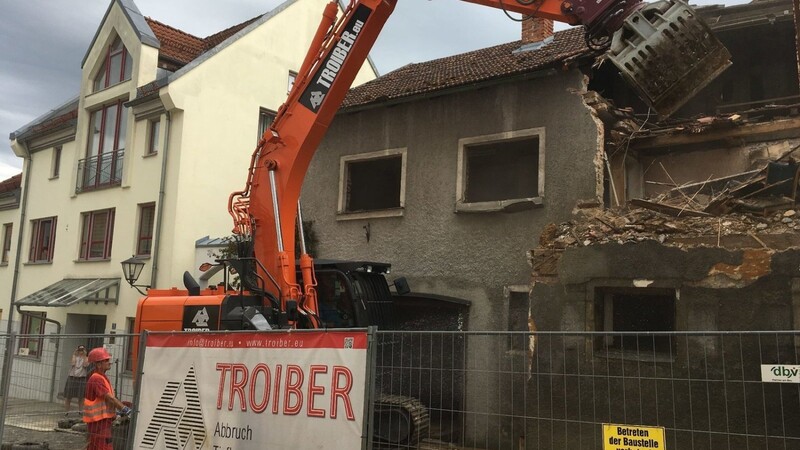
pixel 536 29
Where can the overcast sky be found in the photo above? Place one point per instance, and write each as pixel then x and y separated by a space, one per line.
pixel 42 43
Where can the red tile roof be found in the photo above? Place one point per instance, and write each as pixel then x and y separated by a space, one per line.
pixel 179 48
pixel 11 184
pixel 468 68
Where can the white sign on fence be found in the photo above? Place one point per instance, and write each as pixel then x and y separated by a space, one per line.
pixel 298 390
pixel 780 373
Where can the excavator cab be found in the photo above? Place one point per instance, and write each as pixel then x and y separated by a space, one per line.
pixel 354 293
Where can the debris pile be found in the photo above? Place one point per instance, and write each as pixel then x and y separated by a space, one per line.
pixel 626 225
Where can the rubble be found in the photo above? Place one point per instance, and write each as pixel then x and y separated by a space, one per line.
pixel 625 225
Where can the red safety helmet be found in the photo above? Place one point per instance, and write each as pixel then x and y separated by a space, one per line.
pixel 98 354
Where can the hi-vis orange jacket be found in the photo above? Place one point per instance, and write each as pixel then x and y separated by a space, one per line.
pixel 97 409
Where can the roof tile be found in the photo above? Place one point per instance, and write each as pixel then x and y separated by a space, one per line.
pixel 468 68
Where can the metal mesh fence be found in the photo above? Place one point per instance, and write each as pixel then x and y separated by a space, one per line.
pixel 42 404
pixel 495 390
pixel 556 390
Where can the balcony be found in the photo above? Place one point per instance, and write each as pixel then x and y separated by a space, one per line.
pixel 100 171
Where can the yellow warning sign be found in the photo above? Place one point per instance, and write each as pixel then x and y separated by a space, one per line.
pixel 632 437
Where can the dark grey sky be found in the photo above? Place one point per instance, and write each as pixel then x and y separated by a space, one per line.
pixel 42 43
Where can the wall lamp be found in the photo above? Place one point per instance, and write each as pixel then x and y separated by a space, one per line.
pixel 131 269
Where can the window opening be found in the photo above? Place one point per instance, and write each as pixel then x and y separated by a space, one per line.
pixel 265 119
pixel 152 138
pixel 43 238
pixel 632 310
pixel 144 240
pixel 97 233
pixel 117 66
pixel 32 323
pixel 373 184
pixel 6 242
pixel 502 170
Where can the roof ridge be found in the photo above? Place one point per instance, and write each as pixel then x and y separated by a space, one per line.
pixel 242 25
pixel 150 19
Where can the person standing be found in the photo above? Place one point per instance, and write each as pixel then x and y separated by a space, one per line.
pixel 76 381
pixel 100 405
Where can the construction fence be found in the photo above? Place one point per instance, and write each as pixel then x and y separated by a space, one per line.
pixel 496 390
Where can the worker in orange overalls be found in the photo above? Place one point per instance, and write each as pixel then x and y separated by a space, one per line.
pixel 100 406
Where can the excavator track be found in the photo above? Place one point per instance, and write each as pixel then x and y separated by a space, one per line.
pixel 399 420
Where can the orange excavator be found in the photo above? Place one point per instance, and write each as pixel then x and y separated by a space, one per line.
pixel 663 49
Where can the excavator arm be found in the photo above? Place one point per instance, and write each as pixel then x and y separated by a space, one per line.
pixel 266 211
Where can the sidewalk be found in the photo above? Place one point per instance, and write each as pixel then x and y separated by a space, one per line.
pixel 33 415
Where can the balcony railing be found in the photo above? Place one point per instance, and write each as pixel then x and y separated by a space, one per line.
pixel 100 171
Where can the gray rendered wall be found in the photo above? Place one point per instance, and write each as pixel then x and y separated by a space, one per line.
pixel 472 256
pixel 466 255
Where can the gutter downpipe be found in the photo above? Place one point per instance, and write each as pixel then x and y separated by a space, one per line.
pixel 9 352
pixel 55 354
pixel 160 207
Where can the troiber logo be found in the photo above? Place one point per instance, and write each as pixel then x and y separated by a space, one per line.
pixel 177 416
pixel 201 318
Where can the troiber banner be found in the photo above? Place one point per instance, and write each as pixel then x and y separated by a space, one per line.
pixel 240 391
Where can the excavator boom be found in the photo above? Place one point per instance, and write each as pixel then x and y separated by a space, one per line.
pixel 665 51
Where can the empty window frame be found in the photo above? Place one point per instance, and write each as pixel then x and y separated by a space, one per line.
pixel 153 133
pixel 502 166
pixel 144 236
pixel 117 66
pixel 7 228
pixel 265 119
pixel 372 181
pixel 56 164
pixel 43 240
pixel 96 234
pixel 635 310
pixel 31 324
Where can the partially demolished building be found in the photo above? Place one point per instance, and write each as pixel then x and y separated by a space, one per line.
pixel 698 230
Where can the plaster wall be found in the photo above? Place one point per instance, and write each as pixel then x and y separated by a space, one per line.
pixel 8 216
pixel 219 103
pixel 467 255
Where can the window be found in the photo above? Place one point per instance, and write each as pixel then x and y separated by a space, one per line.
pixel 497 169
pixel 635 309
pixel 116 68
pixel 373 182
pixel 6 242
pixel 154 128
pixel 144 242
pixel 106 145
pixel 128 364
pixel 43 240
pixel 292 77
pixel 265 119
pixel 32 324
pixel 56 162
pixel 96 234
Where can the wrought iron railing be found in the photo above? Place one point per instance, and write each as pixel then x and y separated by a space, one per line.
pixel 100 171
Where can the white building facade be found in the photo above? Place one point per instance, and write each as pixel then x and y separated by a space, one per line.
pixel 141 163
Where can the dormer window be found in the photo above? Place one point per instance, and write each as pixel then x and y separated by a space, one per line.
pixel 117 66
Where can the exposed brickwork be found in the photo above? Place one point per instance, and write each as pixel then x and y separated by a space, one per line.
pixel 536 29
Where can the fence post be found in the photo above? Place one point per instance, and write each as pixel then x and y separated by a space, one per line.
pixel 369 390
pixel 8 359
pixel 54 374
pixel 137 389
